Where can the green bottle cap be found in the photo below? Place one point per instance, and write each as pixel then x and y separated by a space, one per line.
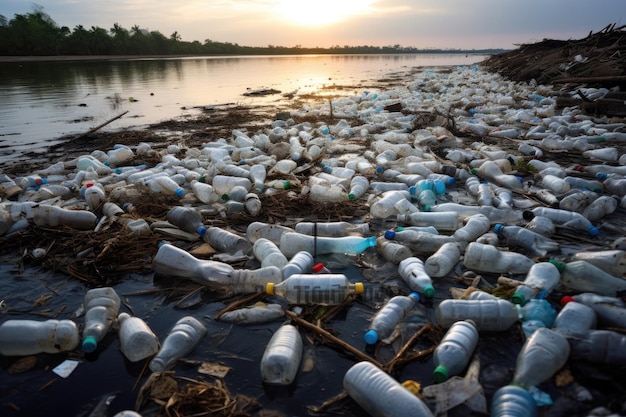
pixel 440 374
pixel 429 291
pixel 89 344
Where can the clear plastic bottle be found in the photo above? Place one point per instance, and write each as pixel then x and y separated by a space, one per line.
pixel 541 225
pixel 541 356
pixel 268 253
pixel 30 337
pixel 300 263
pixel 611 261
pixel 440 263
pixel 332 229
pixel 95 196
pixel 223 184
pixel 574 318
pixel 586 277
pixel 453 353
pixel 487 258
pixel 555 184
pixel 137 341
pixel 536 313
pixel 610 311
pixel 358 186
pixel 273 232
pixel 101 308
pixel 542 277
pixel 485 194
pixel 53 216
pixel 391 251
pixel 180 341
pixel 387 318
pixel 381 395
pixel 204 192
pixel 413 273
pixel 494 214
pixel 385 206
pixel 519 237
pixel 321 289
pixel 292 243
pixel 490 171
pixel 475 226
pixel 599 346
pixel 226 241
pixel 252 204
pixel 422 243
pixel 176 262
pixel 258 173
pixel 282 356
pixel 563 217
pixel 440 220
pixel 163 184
pixel 186 218
pixel 600 207
pixel 489 315
pixel 513 401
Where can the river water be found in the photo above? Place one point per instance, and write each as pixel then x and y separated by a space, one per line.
pixel 44 101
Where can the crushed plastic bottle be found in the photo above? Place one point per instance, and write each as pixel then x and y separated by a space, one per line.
pixel 542 355
pixel 180 341
pixel 388 317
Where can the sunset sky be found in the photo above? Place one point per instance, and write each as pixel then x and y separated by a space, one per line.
pixel 419 23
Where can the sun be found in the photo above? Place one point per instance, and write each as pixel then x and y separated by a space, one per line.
pixel 320 12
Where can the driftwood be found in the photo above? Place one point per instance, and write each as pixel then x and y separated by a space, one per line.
pixel 95 129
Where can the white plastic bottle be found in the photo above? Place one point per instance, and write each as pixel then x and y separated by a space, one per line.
pixel 381 395
pixel 268 253
pixel 163 184
pixel 358 186
pixel 332 229
pixel 600 207
pixel 541 225
pixel 555 184
pixel 223 184
pixel 422 243
pixel 292 243
pixel 45 215
pixel 453 353
pixel 321 289
pixel 611 261
pixel 273 232
pixel 487 258
pixel 541 356
pixel 180 341
pixel 388 317
pixel 513 401
pixel 30 337
pixel 300 263
pixel 610 311
pixel 95 196
pixel 585 277
pixel 412 271
pixel 574 318
pixel 282 356
pixel 519 237
pixel 475 226
pixel 447 220
pixel 565 218
pixel 226 241
pixel 490 171
pixel 384 207
pixel 391 251
pixel 204 192
pixel 599 346
pixel 542 277
pixel 252 204
pixel 186 218
pixel 258 173
pixel 440 263
pixel 137 341
pixel 489 315
pixel 101 308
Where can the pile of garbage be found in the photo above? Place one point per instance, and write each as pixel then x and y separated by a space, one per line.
pixel 478 195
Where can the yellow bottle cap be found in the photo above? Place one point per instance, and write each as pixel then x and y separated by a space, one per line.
pixel 413 386
pixel 359 288
pixel 269 288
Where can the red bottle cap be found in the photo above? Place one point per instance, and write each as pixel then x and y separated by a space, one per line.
pixel 567 299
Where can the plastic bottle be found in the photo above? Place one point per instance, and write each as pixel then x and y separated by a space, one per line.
pixel 519 237
pixel 53 216
pixel 204 192
pixel 490 171
pixel 600 207
pixel 424 194
pixel 615 185
pixel 494 214
pixel 137 341
pixel 258 173
pixel 186 218
pixel 226 241
pixel 391 251
pixel 455 350
pixel 487 258
pixel 541 356
pixel 542 277
pixel 585 277
pixel 273 232
pixel 440 220
pixel 574 318
pixel 485 195
pixel 268 253
pixel 322 289
pixel 292 243
pixel 423 243
pixel 412 272
pixel 163 184
pixel 490 315
pixel 536 313
pixel 381 395
pixel 513 401
pixel 101 308
pixel 541 225
pixel 555 184
pixel 563 217
pixel 332 229
pixel 611 261
pixel 475 226
pixel 384 207
pixel 30 337
pixel 610 311
pixel 94 195
pixel 282 356
pixel 584 184
pixel 320 268
pixel 300 263
pixel 440 263
pixel 599 346
pixel 176 262
pixel 223 184
pixel 387 318
pixel 607 154
pixel 180 341
pixel 358 186
pixel 252 204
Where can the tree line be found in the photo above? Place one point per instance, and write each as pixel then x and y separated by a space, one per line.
pixel 37 34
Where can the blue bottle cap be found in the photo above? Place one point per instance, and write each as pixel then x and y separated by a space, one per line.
pixel 601 176
pixel 414 296
pixel 89 344
pixel 390 235
pixel 426 207
pixel 379 169
pixel 201 231
pixel 450 181
pixel 497 228
pixel 179 192
pixel 593 231
pixel 371 337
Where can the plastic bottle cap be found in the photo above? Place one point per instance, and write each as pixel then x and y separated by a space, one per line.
pixel 440 374
pixel 359 288
pixel 202 179
pixel 429 291
pixel 601 176
pixel 318 267
pixel 390 235
pixel 450 181
pixel 202 231
pixel 567 299
pixel 528 215
pixel 413 386
pixel 89 344
pixel 497 228
pixel 473 171
pixel 286 185
pixel 224 197
pixel 179 192
pixel 269 288
pixel 593 231
pixel 414 296
pixel 559 265
pixel 371 337
pixel 518 298
pixel 351 196
pixel 379 169
pixel 427 207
